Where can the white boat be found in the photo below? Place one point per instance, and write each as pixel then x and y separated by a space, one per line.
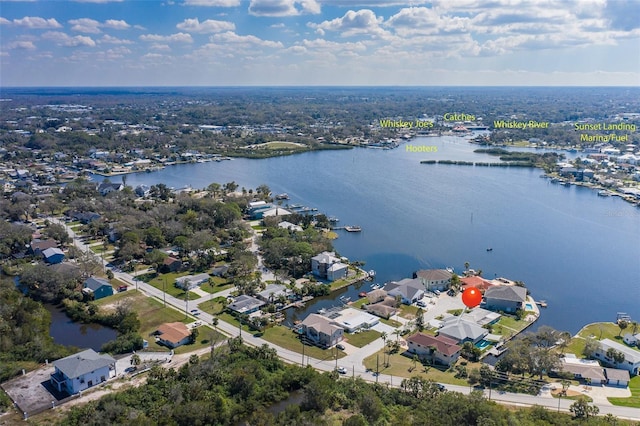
pixel 375 286
pixel 604 193
pixel 353 228
pixel 283 196
pixel 450 270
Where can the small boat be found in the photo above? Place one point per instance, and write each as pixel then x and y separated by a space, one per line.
pixel 353 228
pixel 489 249
pixel 604 193
pixel 450 270
pixel 333 219
pixel 375 286
pixel 371 273
pixel 362 294
pixel 283 196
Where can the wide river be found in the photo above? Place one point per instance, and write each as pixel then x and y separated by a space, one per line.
pixel 576 250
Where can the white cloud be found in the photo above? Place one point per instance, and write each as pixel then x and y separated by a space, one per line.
pixel 35 22
pixel 98 1
pixel 280 25
pixel 422 20
pixel 363 21
pixel 160 47
pixel 114 40
pixel 173 38
pixel 320 44
pixel 212 3
pixel 283 7
pixel 116 24
pixel 63 39
pixel 85 25
pixel 24 45
pixel 208 26
pixel 4 21
pixel 248 40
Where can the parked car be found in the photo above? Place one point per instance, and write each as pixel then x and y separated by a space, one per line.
pixel 421 303
pixel 342 370
pixel 340 346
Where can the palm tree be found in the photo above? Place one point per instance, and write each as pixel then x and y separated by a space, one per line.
pixel 397 332
pixel 466 266
pixel 135 360
pixel 384 336
pixel 414 361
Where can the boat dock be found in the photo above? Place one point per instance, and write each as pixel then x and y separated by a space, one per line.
pixel 541 303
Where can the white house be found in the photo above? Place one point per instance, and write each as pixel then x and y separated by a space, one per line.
pixel 410 290
pixel 462 330
pixel 631 339
pixel 434 279
pixel 631 361
pixel 78 372
pixel 190 282
pixel 321 331
pixel 327 266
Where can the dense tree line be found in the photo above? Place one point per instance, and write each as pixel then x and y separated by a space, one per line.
pixel 237 384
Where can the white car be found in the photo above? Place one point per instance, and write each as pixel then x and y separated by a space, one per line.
pixel 342 370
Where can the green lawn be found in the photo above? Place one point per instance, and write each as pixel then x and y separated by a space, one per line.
pixel 152 314
pixel 634 399
pixel 362 338
pixel 408 311
pixel 159 283
pixel 213 307
pixel 400 365
pixel 598 331
pixel 285 338
pixel 507 326
pixel 359 303
pixel 219 284
pixel 390 322
pixel 603 330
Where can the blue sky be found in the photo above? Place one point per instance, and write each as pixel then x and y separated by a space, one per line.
pixel 319 42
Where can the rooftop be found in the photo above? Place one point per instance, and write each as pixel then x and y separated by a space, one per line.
pixel 82 363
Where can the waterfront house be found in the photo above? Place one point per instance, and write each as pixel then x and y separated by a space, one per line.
pixel 583 369
pixel 462 330
pixel 171 264
pixel 245 304
pixel 377 295
pixel 321 331
pixel 481 316
pixel 78 372
pixel 37 246
pixel 53 255
pixel 631 361
pixel 352 320
pixel 98 287
pixel 385 309
pixel 327 266
pixel 290 226
pixel 272 292
pixel 142 190
pixel 505 298
pixel 410 290
pixel 173 334
pixel 434 279
pixel 475 281
pixel 436 349
pixel 105 188
pixel 630 339
pixel 189 282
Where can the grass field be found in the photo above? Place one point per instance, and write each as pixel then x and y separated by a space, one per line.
pixel 213 307
pixel 408 311
pixel 598 331
pixel 219 284
pixel 400 365
pixel 634 399
pixel 362 338
pixel 285 338
pixel 151 314
pixel 168 285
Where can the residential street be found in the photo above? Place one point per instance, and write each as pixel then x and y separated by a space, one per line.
pixel 353 362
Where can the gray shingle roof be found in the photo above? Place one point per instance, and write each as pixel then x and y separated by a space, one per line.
pixel 82 363
pixel 94 283
pixel 506 292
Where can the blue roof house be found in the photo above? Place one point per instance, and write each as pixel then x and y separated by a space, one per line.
pixel 98 287
pixel 53 255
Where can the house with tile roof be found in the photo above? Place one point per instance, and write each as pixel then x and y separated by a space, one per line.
pixel 81 371
pixel 437 349
pixel 462 330
pixel 173 334
pixel 410 290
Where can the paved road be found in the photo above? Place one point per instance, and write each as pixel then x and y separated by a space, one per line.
pixel 352 362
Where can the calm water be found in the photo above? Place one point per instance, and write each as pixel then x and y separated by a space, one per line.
pixel 578 251
pixel 69 333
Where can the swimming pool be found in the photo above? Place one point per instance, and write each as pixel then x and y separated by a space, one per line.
pixel 482 344
pixel 529 307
